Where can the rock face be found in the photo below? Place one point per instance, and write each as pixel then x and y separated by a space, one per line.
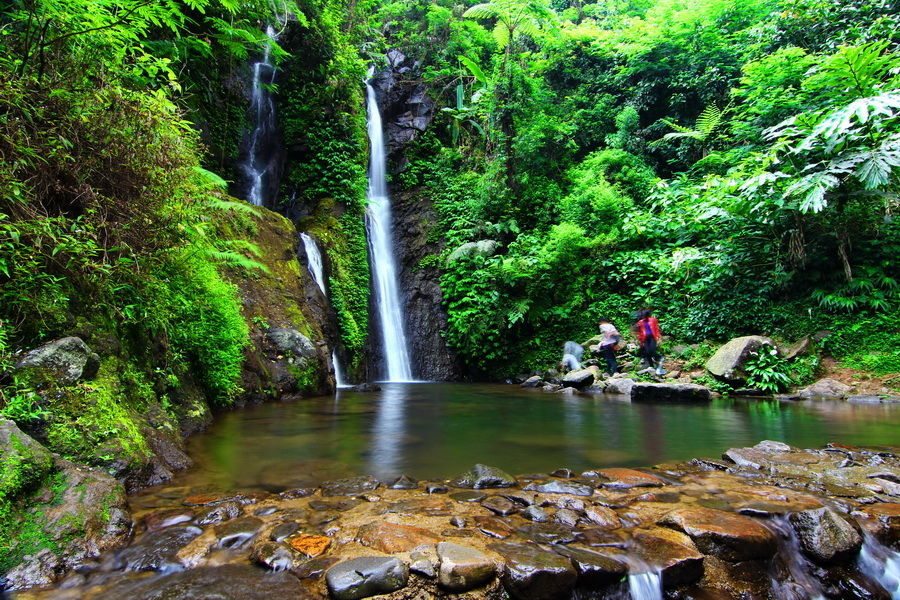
pixel 669 392
pixel 366 576
pixel 63 362
pixel 728 361
pixel 406 111
pixel 825 536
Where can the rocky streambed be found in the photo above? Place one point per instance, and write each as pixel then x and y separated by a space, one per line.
pixel 769 521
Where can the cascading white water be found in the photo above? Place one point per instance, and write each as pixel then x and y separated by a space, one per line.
pixel 314 263
pixel 644 581
pixel 882 564
pixel 381 250
pixel 259 162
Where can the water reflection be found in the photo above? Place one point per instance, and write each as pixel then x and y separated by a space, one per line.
pixel 439 430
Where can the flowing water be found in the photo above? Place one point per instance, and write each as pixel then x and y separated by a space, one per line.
pixel 259 162
pixel 439 430
pixel 381 252
pixel 881 564
pixel 314 262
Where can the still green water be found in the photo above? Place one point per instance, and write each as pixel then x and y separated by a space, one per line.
pixel 439 430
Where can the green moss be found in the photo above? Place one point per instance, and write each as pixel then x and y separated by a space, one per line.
pixel 23 529
pixel 22 468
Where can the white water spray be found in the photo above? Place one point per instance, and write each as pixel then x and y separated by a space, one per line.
pixel 259 161
pixel 644 581
pixel 314 263
pixel 381 250
pixel 881 564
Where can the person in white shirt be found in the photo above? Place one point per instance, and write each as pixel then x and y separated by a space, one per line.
pixel 611 339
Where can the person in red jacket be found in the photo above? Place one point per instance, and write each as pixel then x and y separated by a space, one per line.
pixel 649 336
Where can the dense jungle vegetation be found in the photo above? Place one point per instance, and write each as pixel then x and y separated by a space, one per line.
pixel 733 164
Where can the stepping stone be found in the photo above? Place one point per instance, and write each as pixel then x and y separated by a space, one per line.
pixel 483 476
pixel 463 568
pixel 535 574
pixel 392 538
pixel 366 576
pixel 723 534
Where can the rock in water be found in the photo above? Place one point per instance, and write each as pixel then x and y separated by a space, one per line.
pixel 669 392
pixel 729 536
pixel 578 379
pixel 535 574
pixel 366 576
pixel 63 361
pixel 483 476
pixel 619 386
pixel 825 389
pixel 825 536
pixel 728 361
pixel 533 381
pixel 352 486
pixel 463 568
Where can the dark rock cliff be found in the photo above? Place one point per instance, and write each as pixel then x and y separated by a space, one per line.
pixel 406 112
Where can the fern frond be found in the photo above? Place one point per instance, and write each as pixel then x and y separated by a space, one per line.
pixel 481 11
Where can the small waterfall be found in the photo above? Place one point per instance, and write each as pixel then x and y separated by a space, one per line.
pixel 314 262
pixel 881 564
pixel 572 353
pixel 381 250
pixel 258 164
pixel 800 583
pixel 644 581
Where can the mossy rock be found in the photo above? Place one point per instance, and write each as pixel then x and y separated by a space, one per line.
pixel 24 463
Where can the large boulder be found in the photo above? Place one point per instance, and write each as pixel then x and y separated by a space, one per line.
pixel 727 364
pixel 669 392
pixel 619 385
pixel 63 362
pixel 825 389
pixel 24 463
pixel 578 379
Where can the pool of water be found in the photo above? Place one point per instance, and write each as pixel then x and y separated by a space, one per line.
pixel 439 430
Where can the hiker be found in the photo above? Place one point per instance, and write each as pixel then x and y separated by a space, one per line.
pixel 609 344
pixel 649 337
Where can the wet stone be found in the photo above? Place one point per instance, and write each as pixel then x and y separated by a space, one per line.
pixel 274 556
pixel 310 545
pixel 536 514
pixel 499 505
pixel 221 513
pixel 457 521
pixel 314 568
pixel 535 574
pixel 520 498
pixel 436 488
pixel 547 533
pixel 563 473
pixel 404 483
pixel 366 576
pixel 561 487
pixel 265 511
pixel 156 551
pixel 825 536
pixel 463 568
pixel 337 506
pixel 296 493
pixel 628 478
pixel 602 516
pixel 284 531
pixel 566 517
pixel 575 504
pixel 484 476
pixel 352 486
pixel 595 567
pixel 468 496
pixel 167 518
pixel 423 561
pixel 322 518
pixel 726 535
pixel 236 533
pixel 493 527
pixel 673 552
pixel 391 538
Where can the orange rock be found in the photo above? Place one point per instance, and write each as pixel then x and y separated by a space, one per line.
pixel 726 535
pixel 310 545
pixel 629 478
pixel 391 538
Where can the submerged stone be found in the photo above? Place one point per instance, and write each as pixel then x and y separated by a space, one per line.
pixel 156 551
pixel 366 576
pixel 391 538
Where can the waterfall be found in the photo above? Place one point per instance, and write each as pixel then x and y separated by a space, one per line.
pixel 644 581
pixel 881 564
pixel 801 583
pixel 258 164
pixel 314 263
pixel 381 250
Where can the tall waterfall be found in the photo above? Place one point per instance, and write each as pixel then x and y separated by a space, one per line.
pixel 314 260
pixel 381 250
pixel 259 162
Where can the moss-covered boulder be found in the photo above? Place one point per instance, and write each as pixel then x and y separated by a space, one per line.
pixel 53 514
pixel 63 361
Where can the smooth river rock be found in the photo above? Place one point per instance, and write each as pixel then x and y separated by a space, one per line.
pixel 366 576
pixel 463 568
pixel 725 535
pixel 535 574
pixel 483 476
